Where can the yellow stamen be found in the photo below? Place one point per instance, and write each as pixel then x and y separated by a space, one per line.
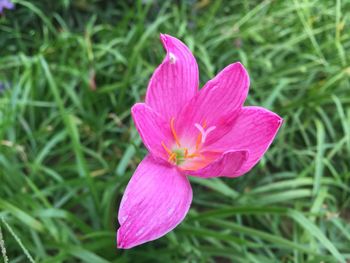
pixel 193 155
pixel 186 153
pixel 179 155
pixel 172 157
pixel 166 148
pixel 198 141
pixel 174 132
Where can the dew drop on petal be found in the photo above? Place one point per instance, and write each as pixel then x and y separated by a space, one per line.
pixel 172 58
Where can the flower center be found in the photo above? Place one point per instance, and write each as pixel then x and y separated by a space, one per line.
pixel 178 154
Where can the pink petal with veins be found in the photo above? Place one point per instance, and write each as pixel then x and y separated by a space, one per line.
pixel 175 81
pixel 228 164
pixel 155 201
pixel 217 104
pixel 254 130
pixel 152 129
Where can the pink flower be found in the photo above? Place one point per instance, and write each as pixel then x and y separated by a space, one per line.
pixel 206 133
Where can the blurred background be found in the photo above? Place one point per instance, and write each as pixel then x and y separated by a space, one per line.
pixel 71 70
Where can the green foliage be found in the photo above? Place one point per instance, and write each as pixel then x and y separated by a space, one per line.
pixel 72 70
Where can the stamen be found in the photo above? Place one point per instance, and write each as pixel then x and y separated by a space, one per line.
pixel 198 141
pixel 186 153
pixel 166 148
pixel 174 132
pixel 172 157
pixel 178 155
pixel 193 155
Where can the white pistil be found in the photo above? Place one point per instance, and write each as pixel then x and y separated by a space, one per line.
pixel 204 132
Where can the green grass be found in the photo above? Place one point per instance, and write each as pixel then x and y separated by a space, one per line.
pixel 68 147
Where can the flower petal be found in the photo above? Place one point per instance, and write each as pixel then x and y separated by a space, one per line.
pixel 254 130
pixel 216 105
pixel 152 129
pixel 227 165
pixel 175 81
pixel 6 4
pixel 155 201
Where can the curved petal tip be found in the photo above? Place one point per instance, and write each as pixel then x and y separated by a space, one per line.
pixel 175 81
pixel 165 40
pixel 122 241
pixel 121 244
